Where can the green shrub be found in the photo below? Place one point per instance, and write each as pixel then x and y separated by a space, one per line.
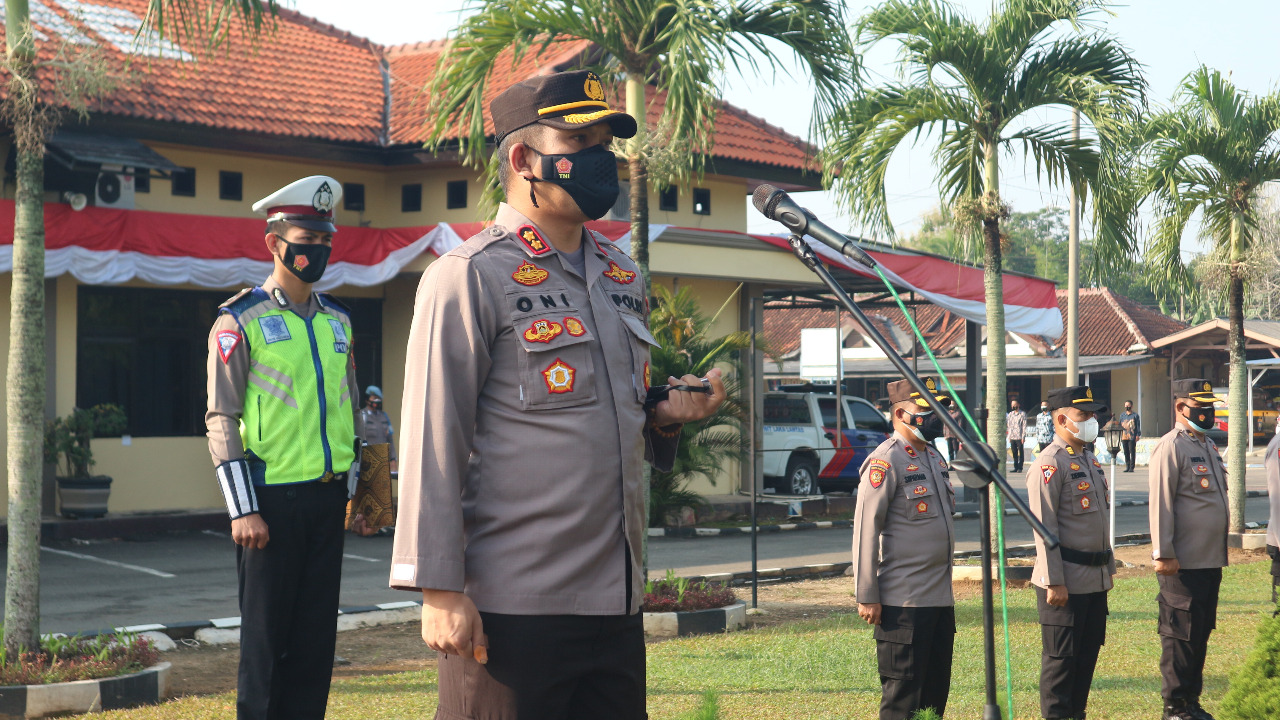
pixel 1255 687
pixel 63 659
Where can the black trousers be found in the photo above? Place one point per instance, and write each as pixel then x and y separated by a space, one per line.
pixel 914 647
pixel 1017 448
pixel 549 667
pixel 289 603
pixel 1070 637
pixel 1130 450
pixel 1188 615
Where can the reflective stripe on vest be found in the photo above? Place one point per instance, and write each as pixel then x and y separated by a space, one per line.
pixel 297 418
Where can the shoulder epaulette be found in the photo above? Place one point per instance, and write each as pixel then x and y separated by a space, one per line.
pixel 330 301
pixel 244 300
pixel 481 240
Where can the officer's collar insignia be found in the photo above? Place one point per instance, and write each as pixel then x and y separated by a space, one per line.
pixel 1075 466
pixel 281 300
pixel 1084 485
pixel 559 377
pixel 1047 471
pixel 912 467
pixel 564 168
pixel 618 275
pixel 532 241
pixel 575 328
pixel 1097 464
pixel 529 274
pixel 543 331
pixel 322 201
pixel 1070 450
pixel 227 342
pixel 911 452
pixel 920 490
pixel 593 87
pixel 1084 502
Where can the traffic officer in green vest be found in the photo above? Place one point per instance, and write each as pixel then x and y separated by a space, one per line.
pixel 283 421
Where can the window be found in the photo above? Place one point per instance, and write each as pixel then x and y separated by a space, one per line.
pixel 184 182
pixel 701 201
pixel 866 417
pixel 353 197
pixel 668 199
pixel 230 185
pixel 455 194
pixel 145 350
pixel 142 180
pixel 827 406
pixel 783 410
pixel 621 209
pixel 411 198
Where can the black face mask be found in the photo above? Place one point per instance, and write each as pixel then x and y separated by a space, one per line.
pixel 306 261
pixel 375 404
pixel 1201 417
pixel 929 425
pixel 589 176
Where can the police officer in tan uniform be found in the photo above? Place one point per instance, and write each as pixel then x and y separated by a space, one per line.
pixel 902 554
pixel 377 424
pixel 283 423
pixel 1188 512
pixel 1067 491
pixel 521 508
pixel 1271 461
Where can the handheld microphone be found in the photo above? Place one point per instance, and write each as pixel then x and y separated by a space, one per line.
pixel 777 205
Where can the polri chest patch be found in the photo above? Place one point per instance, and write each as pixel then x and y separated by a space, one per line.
pixel 340 341
pixel 274 329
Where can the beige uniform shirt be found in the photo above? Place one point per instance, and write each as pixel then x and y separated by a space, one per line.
pixel 902 533
pixel 227 380
pixel 1188 510
pixel 1271 461
pixel 522 435
pixel 1068 492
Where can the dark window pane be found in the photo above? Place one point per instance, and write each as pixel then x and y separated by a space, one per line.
pixel 142 182
pixel 411 198
pixel 353 197
pixel 786 411
pixel 184 182
pixel 866 417
pixel 230 185
pixel 456 194
pixel 827 406
pixel 668 199
pixel 701 201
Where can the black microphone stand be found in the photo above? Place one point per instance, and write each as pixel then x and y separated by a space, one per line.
pixel 978 470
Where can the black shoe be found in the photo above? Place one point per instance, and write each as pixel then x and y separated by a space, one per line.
pixel 1178 710
pixel 1198 712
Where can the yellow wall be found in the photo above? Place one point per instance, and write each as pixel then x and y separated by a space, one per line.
pixel 158 474
pixel 728 211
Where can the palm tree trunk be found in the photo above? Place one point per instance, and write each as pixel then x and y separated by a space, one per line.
pixel 1241 424
pixel 25 402
pixel 638 165
pixel 993 287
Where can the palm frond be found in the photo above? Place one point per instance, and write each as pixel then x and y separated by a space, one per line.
pixel 207 24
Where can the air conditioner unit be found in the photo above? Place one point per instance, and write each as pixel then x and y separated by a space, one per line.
pixel 114 188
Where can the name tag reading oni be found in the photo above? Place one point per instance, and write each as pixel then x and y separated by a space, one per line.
pixel 274 329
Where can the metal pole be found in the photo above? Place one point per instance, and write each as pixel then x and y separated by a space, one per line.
pixel 1249 424
pixel 755 454
pixel 839 388
pixel 991 711
pixel 1113 493
pixel 1073 274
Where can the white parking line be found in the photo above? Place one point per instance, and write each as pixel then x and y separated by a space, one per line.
pixel 126 566
pixel 360 557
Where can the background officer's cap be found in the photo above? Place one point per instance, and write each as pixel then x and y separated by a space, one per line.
pixel 1076 396
pixel 373 390
pixel 901 391
pixel 564 100
pixel 1197 389
pixel 307 203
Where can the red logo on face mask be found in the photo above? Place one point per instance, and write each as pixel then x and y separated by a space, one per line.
pixel 301 262
pixel 564 167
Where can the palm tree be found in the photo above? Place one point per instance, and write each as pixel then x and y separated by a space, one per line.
pixel 1213 152
pixel 32 110
pixel 971 82
pixel 683 48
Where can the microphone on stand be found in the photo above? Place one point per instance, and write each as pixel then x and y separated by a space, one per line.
pixel 777 205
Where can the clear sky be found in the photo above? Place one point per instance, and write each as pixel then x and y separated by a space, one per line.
pixel 1169 37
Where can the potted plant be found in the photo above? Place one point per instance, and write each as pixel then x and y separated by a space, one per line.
pixel 66 445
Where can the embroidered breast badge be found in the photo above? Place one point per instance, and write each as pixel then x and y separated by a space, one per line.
pixel 559 377
pixel 618 275
pixel 529 274
pixel 543 331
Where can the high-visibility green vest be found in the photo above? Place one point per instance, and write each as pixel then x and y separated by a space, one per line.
pixel 297 424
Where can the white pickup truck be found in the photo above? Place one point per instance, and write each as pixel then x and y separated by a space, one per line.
pixel 801 452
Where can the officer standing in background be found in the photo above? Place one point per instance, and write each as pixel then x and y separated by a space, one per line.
pixel 1188 511
pixel 1131 422
pixel 521 508
pixel 1067 491
pixel 902 547
pixel 1271 461
pixel 377 424
pixel 1016 424
pixel 1044 426
pixel 283 432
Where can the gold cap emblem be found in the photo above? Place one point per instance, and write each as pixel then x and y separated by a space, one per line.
pixel 1208 387
pixel 593 87
pixel 929 383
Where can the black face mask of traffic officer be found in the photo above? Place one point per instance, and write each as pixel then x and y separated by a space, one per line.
pixel 589 176
pixel 1201 417
pixel 306 261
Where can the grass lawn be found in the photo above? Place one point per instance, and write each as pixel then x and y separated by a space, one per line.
pixel 826 668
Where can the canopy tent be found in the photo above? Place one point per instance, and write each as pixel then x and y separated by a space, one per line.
pixel 106 246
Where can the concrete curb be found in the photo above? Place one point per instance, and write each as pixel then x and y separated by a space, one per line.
pixel 696 622
pixel 83 696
